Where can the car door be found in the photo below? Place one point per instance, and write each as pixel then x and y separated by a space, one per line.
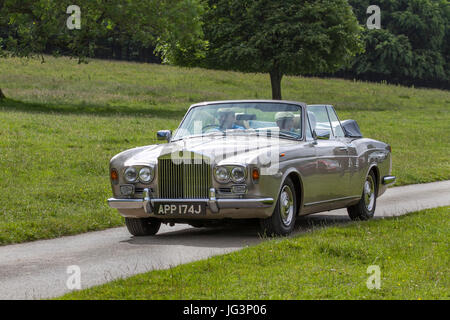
pixel 350 150
pixel 332 181
pixel 308 167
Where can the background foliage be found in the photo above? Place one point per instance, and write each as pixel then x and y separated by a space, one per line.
pixel 412 48
pixel 109 28
pixel 290 37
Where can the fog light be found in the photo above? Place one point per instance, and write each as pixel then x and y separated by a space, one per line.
pixel 127 189
pixel 239 189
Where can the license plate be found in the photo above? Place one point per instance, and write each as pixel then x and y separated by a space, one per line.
pixel 195 209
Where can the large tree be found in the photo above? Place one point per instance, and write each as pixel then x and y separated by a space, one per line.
pixel 288 37
pixel 36 26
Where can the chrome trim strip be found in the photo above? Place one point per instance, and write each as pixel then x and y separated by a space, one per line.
pixel 167 200
pixel 245 203
pixel 213 205
pixel 126 203
pixel 388 180
pixel 325 201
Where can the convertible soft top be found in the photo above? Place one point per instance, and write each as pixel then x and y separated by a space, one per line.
pixel 351 129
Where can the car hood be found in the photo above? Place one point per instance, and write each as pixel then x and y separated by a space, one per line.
pixel 220 150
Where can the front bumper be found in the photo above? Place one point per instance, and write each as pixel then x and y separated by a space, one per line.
pixel 388 180
pixel 146 204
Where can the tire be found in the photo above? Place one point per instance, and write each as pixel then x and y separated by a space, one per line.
pixel 142 226
pixel 365 208
pixel 282 221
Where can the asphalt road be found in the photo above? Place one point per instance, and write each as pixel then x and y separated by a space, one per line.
pixel 39 269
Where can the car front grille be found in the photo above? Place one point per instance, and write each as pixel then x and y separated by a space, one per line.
pixel 190 180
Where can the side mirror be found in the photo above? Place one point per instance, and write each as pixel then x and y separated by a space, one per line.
pixel 164 135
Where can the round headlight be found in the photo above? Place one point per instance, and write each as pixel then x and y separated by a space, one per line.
pixel 222 175
pixel 130 174
pixel 238 174
pixel 146 174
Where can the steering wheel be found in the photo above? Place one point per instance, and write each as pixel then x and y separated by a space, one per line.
pixel 210 127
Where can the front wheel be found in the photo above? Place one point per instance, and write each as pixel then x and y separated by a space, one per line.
pixel 282 221
pixel 365 208
pixel 142 226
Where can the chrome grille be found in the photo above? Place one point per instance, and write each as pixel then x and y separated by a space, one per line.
pixel 184 180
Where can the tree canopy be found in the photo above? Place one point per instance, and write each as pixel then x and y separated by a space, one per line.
pixel 412 46
pixel 289 37
pixel 37 26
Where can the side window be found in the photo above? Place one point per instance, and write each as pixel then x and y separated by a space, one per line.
pixel 335 123
pixel 320 122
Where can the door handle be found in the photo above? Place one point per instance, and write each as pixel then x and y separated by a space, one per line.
pixel 342 148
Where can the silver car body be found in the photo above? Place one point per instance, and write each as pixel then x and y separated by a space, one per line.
pixel 327 174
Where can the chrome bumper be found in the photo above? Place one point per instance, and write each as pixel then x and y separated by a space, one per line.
pixel 388 180
pixel 212 203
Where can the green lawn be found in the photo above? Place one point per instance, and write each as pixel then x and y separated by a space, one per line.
pixel 63 122
pixel 326 263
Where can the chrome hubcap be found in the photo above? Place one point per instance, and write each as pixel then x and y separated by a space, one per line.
pixel 369 193
pixel 286 205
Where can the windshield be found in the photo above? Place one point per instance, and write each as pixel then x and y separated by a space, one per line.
pixel 242 118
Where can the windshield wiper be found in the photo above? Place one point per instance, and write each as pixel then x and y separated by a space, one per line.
pixel 293 136
pixel 280 134
pixel 218 133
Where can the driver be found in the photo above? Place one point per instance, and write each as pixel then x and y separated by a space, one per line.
pixel 285 120
pixel 227 119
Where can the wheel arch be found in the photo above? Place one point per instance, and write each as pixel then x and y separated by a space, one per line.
pixel 376 172
pixel 298 184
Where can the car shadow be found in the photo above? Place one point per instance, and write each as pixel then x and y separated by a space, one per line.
pixel 236 234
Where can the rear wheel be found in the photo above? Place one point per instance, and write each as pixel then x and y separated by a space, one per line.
pixel 142 226
pixel 282 221
pixel 365 208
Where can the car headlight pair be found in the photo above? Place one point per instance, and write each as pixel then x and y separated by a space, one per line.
pixel 225 174
pixel 145 174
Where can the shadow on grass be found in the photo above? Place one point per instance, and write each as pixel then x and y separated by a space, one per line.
pixel 91 109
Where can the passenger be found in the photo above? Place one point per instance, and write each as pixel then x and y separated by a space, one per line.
pixel 285 121
pixel 227 120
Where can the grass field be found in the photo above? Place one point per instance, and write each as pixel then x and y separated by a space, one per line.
pixel 62 122
pixel 326 263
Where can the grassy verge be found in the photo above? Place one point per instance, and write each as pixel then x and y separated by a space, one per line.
pixel 328 263
pixel 63 122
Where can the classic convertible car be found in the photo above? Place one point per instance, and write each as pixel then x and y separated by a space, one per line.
pixel 259 159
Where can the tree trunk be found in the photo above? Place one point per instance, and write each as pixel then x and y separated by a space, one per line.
pixel 2 96
pixel 275 80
